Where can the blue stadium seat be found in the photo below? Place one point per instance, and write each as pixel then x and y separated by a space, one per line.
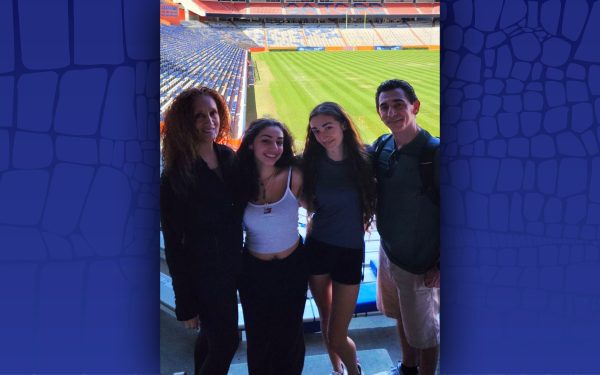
pixel 366 301
pixel 201 56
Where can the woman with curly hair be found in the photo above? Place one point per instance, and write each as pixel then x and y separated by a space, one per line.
pixel 339 190
pixel 274 278
pixel 201 218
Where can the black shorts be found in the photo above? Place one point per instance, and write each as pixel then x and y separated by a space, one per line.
pixel 344 265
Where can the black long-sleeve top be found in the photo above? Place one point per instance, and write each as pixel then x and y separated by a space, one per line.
pixel 202 232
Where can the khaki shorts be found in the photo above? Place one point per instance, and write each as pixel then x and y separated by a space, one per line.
pixel 403 296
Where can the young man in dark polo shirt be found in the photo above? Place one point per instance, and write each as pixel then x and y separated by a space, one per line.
pixel 406 164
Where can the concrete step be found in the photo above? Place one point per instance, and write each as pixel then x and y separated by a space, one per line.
pixel 372 361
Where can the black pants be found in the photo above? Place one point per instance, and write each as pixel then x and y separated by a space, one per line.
pixel 273 296
pixel 219 337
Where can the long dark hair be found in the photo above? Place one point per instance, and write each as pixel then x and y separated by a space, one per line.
pixel 179 136
pixel 249 170
pixel 356 154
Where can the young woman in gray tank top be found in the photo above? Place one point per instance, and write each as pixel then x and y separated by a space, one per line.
pixel 274 274
pixel 339 189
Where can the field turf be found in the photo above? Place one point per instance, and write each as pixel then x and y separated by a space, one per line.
pixel 291 84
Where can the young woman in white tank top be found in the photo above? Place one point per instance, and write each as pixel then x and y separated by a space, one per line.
pixel 274 273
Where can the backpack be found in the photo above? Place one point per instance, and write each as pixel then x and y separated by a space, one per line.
pixel 427 162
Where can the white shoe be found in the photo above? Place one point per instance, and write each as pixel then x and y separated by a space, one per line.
pixel 343 372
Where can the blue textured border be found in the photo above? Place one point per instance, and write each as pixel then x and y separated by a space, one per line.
pixel 521 186
pixel 79 166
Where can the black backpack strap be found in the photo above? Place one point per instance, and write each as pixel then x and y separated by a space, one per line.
pixel 380 144
pixel 428 168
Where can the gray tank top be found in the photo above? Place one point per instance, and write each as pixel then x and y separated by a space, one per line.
pixel 338 215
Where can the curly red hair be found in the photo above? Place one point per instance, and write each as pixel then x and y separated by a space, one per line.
pixel 179 136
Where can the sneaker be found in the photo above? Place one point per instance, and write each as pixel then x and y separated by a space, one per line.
pixel 343 372
pixel 397 370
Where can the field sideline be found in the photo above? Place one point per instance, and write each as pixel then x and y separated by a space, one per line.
pixel 292 83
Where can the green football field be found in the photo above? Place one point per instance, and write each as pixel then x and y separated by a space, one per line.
pixel 291 84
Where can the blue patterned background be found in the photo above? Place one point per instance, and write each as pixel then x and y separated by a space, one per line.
pixel 79 166
pixel 521 186
pixel 79 186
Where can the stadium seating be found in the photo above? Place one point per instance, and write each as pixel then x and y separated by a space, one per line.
pixel 399 35
pixel 285 35
pixel 359 36
pixel 213 54
pixel 253 31
pixel 323 35
pixel 229 32
pixel 201 56
pixel 332 35
pixel 426 33
pixel 366 301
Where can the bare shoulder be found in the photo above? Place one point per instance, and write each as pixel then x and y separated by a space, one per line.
pixel 296 181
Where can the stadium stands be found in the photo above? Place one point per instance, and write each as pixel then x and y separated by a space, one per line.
pixel 285 35
pixel 331 8
pixel 228 32
pixel 334 35
pixel 254 32
pixel 359 36
pixel 214 53
pixel 203 55
pixel 427 34
pixel 323 35
pixel 400 34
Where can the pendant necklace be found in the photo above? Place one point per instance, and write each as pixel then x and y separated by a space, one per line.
pixel 266 209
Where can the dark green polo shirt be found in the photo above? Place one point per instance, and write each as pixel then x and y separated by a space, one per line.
pixel 408 219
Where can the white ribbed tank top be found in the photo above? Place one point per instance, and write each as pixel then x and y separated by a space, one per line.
pixel 272 228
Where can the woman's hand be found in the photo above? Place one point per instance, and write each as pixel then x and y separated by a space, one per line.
pixel 193 323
